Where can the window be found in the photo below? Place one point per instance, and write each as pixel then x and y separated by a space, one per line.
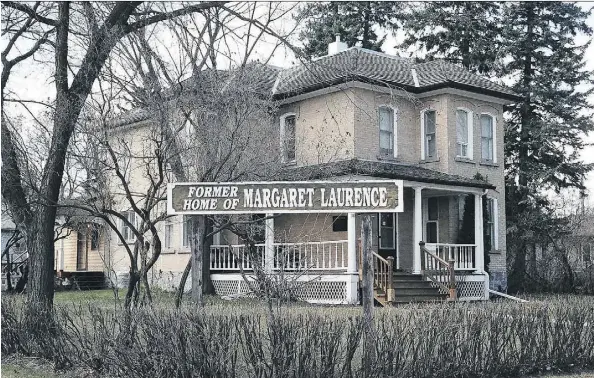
pixel 126 231
pixel 386 231
pixel 287 134
pixel 187 225
pixel 94 237
pixel 464 133
pixel 429 144
pixel 387 131
pixel 432 218
pixel 339 224
pixel 490 224
pixel 168 234
pixel 487 138
pixel 586 253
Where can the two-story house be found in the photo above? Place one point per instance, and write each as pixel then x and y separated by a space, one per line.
pixel 354 115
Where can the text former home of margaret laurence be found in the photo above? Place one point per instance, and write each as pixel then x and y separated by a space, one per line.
pixel 285 197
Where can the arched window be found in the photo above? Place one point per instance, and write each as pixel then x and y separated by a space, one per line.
pixel 387 131
pixel 464 133
pixel 488 151
pixel 428 133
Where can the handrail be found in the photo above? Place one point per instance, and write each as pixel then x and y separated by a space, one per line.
pixel 383 274
pixel 439 271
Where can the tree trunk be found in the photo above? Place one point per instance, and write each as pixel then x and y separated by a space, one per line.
pixel 369 337
pixel 40 244
pixel 198 227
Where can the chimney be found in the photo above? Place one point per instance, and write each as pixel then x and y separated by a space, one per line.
pixel 336 47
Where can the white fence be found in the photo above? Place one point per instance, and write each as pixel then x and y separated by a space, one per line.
pixel 463 254
pixel 327 255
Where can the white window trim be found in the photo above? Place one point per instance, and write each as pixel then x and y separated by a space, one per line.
pixel 282 137
pixel 423 133
pixel 494 118
pixel 166 224
pixel 394 127
pixel 470 127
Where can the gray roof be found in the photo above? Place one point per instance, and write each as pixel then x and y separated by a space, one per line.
pixel 353 64
pixel 378 169
pixel 377 68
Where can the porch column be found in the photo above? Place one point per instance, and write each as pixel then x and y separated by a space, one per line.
pixel 352 275
pixel 479 256
pixel 352 244
pixel 417 231
pixel 269 243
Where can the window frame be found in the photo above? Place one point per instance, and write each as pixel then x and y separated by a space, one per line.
pixel 185 242
pixel 125 230
pixel 492 201
pixel 493 137
pixel 469 133
pixel 393 228
pixel 424 137
pixel 168 235
pixel 394 130
pixel 283 118
pixel 94 238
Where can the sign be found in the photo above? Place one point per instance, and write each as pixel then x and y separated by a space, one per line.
pixel 285 197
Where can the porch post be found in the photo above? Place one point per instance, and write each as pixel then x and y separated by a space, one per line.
pixel 352 244
pixel 352 271
pixel 269 243
pixel 479 256
pixel 417 231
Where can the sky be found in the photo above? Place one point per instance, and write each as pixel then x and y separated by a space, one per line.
pixel 29 82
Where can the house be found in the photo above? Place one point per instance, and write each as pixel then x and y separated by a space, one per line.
pixel 14 252
pixel 354 115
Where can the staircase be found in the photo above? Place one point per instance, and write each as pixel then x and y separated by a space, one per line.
pixel 413 288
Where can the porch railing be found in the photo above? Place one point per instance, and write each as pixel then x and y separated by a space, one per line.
pixel 438 271
pixel 327 255
pixel 383 275
pixel 462 254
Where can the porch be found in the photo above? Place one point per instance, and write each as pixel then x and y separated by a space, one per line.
pixel 325 270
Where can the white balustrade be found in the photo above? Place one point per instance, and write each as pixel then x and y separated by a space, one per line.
pixel 463 254
pixel 327 255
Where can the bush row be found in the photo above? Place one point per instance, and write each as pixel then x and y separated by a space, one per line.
pixel 449 341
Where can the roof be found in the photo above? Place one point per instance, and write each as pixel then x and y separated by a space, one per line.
pixel 381 169
pixel 372 67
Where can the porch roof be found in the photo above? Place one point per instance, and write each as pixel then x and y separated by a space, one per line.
pixel 381 169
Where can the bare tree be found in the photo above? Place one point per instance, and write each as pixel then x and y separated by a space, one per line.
pixel 84 35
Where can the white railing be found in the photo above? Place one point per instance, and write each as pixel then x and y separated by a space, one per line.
pixel 463 254
pixel 327 255
pixel 233 257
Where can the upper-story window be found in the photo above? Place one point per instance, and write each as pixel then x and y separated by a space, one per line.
pixel 429 149
pixel 387 131
pixel 488 138
pixel 287 136
pixel 464 133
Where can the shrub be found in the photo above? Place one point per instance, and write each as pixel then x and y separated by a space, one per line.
pixel 448 340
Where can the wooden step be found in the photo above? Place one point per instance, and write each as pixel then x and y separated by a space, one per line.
pixel 419 298
pixel 412 284
pixel 407 277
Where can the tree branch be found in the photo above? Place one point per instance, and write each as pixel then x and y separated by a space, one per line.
pixel 28 10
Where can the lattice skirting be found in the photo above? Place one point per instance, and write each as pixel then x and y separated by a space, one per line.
pixel 469 287
pixel 314 289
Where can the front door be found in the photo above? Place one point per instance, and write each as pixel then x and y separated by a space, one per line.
pixel 388 236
